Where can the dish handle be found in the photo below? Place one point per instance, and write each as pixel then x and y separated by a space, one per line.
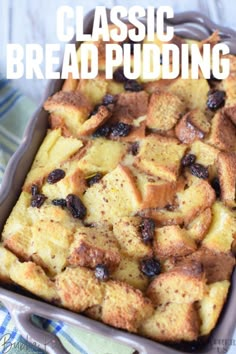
pixel 22 317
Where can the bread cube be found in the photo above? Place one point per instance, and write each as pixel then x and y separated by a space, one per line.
pixel 127 232
pixel 223 133
pixel 124 307
pixel 218 266
pixel 128 271
pixel 31 277
pixel 164 110
pixel 54 150
pixel 193 126
pixel 160 156
pixel 226 165
pixel 7 260
pixel 172 241
pixel 211 305
pixel 101 155
pixel 50 245
pixel 183 284
pixel 79 289
pixel 72 107
pixel 95 121
pixel 93 89
pixel 172 323
pixel 222 230
pixel 92 246
pixel 115 196
pixel 197 229
pixel 193 92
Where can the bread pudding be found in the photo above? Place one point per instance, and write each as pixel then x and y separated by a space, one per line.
pixel 128 211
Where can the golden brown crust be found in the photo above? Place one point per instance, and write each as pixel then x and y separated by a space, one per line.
pixel 223 133
pixel 226 165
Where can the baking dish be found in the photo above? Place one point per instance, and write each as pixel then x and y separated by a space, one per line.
pixel 191 25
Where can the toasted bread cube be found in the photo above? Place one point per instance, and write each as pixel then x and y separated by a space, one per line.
pixel 223 133
pixel 95 121
pixel 79 289
pixel 193 92
pixel 222 230
pixel 183 284
pixel 156 193
pixel 218 266
pixel 197 229
pixel 92 246
pixel 160 156
pixel 93 89
pixel 172 241
pixel 127 232
pixel 124 307
pixel 211 305
pixel 191 203
pixel 164 110
pixel 230 111
pixel 73 107
pixel 32 278
pixel 50 245
pixel 193 126
pixel 74 182
pixel 7 260
pixel 128 271
pixel 54 150
pixel 226 165
pixel 229 86
pixel 70 83
pixel 101 155
pixel 94 312
pixel 172 323
pixel 115 196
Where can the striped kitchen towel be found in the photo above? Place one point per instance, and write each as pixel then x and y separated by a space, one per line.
pixel 15 111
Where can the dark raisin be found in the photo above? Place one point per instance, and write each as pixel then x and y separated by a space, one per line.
pixel 170 207
pixel 135 148
pixel 188 160
pixel 34 189
pixel 95 110
pixel 215 183
pixel 95 179
pixel 216 99
pixel 101 272
pixel 150 267
pixel 119 75
pixel 59 202
pixel 161 59
pixel 37 200
pixel 75 206
pixel 199 171
pixel 55 176
pixel 103 131
pixel 108 99
pixel 147 228
pixel 132 85
pixel 120 129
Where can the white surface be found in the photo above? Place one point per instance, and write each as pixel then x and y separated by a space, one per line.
pixel 34 21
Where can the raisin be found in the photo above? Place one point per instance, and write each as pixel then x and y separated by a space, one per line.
pixel 55 176
pixel 101 272
pixel 95 110
pixel 161 59
pixel 38 200
pixel 199 171
pixel 108 99
pixel 119 75
pixel 95 179
pixel 59 202
pixel 135 148
pixel 215 183
pixel 216 99
pixel 34 189
pixel 188 160
pixel 120 129
pixel 132 85
pixel 75 206
pixel 150 267
pixel 103 131
pixel 147 228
